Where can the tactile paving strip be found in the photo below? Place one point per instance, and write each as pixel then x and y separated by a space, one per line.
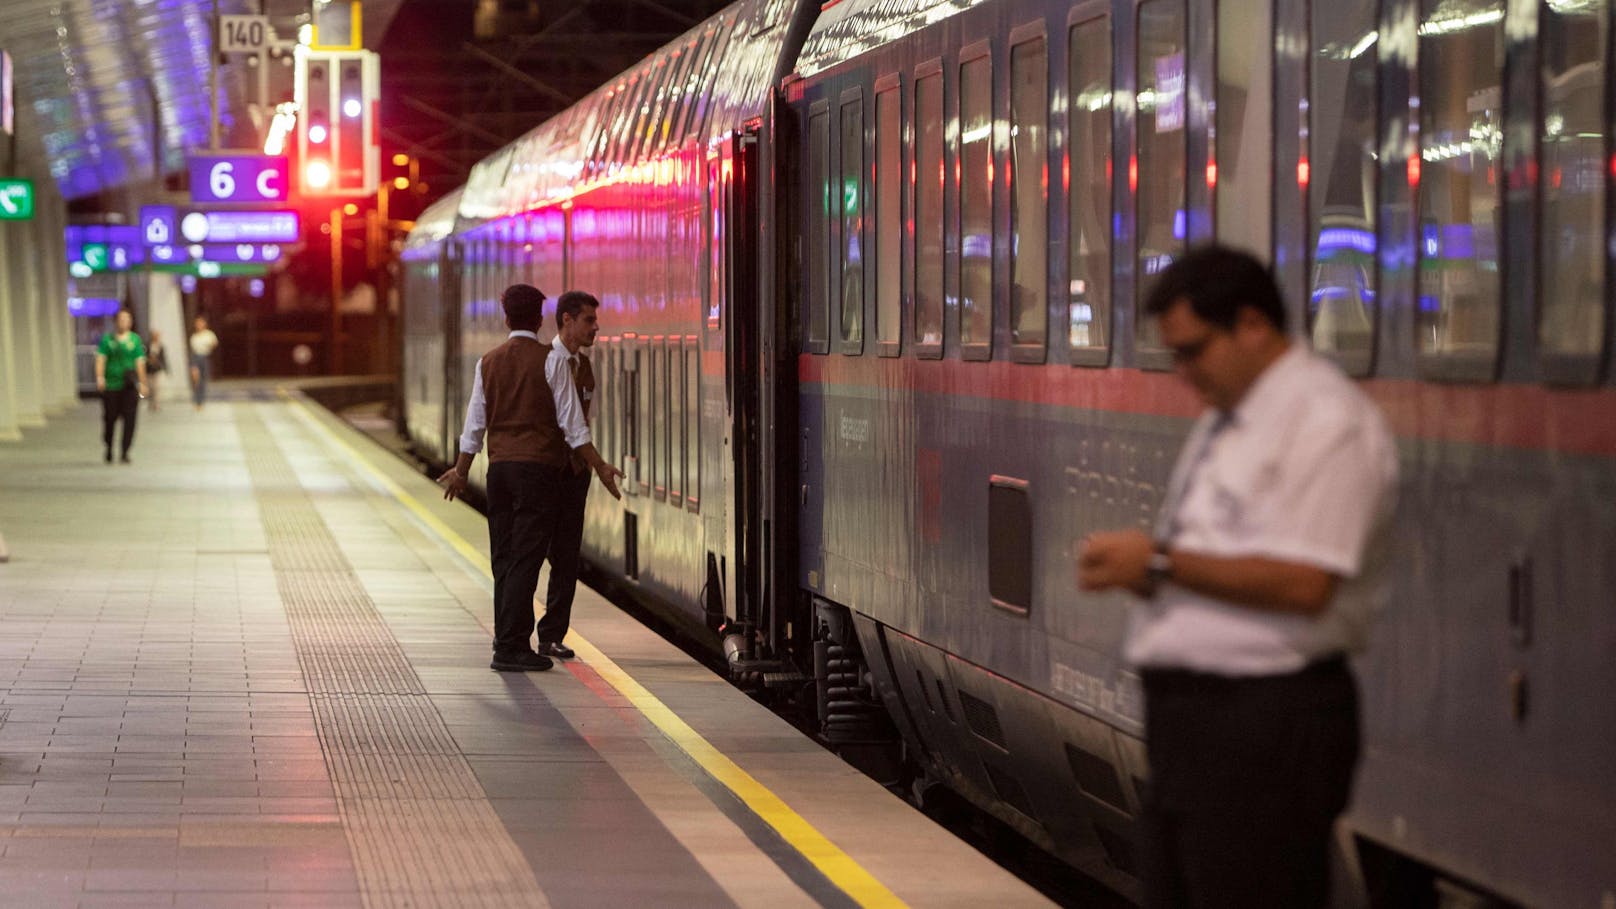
pixel 419 825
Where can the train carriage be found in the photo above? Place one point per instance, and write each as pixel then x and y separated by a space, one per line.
pixel 872 362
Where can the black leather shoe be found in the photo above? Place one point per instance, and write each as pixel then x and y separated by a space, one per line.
pixel 556 649
pixel 520 662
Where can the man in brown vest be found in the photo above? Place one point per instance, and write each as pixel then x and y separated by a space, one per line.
pixel 577 322
pixel 533 421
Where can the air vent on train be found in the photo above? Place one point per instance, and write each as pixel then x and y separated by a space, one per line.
pixel 1096 777
pixel 983 720
pixel 1009 790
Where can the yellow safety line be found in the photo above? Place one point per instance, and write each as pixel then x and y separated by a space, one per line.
pixel 838 866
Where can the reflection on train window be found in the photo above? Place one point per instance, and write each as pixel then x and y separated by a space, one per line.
pixel 629 412
pixel 1160 175
pixel 657 411
pixel 976 202
pixel 1461 64
pixel 850 201
pixel 718 192
pixel 818 240
pixel 888 216
pixel 692 421
pixel 1572 45
pixel 928 158
pixel 1088 296
pixel 1342 178
pixel 1029 181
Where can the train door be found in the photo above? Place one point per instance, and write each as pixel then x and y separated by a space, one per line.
pixel 454 396
pixel 731 302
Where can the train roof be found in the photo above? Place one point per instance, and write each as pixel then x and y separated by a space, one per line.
pixel 851 27
pixel 706 83
pixel 437 222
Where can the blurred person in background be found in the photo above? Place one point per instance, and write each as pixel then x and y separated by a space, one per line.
pixel 120 376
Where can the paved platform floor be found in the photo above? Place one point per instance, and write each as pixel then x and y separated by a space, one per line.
pixel 250 669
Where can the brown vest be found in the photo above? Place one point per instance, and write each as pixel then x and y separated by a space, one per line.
pixel 520 406
pixel 583 377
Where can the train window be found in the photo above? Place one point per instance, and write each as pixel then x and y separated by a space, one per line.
pixel 692 423
pixel 888 219
pixel 1028 174
pixel 1088 252
pixel 1160 170
pixel 656 416
pixel 818 225
pixel 850 203
pixel 667 420
pixel 1571 322
pixel 678 395
pixel 629 412
pixel 928 222
pixel 1341 180
pixel 976 207
pixel 1461 65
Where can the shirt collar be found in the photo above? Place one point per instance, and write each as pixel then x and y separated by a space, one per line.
pixel 524 333
pixel 1269 388
pixel 557 343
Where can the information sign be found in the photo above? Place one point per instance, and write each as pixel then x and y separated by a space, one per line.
pixel 238 178
pixel 244 34
pixel 279 226
pixel 157 224
pixel 16 199
pixel 240 252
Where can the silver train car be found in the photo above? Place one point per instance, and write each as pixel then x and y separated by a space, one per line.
pixel 872 362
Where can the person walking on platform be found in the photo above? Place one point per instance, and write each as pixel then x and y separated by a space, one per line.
pixel 156 367
pixel 1262 575
pixel 203 343
pixel 533 423
pixel 120 354
pixel 577 323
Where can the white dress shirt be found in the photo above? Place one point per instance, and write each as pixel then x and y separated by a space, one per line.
pixel 558 372
pixel 1303 470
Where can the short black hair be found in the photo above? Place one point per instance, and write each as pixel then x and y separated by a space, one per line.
pixel 524 307
pixel 1217 281
pixel 572 303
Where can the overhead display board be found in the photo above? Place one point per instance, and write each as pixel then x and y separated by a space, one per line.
pixel 277 226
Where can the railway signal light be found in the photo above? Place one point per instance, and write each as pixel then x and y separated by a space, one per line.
pixel 337 96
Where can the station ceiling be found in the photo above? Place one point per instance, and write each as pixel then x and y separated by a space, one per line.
pixel 112 93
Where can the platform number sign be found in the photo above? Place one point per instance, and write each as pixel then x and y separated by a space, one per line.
pixel 238 178
pixel 244 34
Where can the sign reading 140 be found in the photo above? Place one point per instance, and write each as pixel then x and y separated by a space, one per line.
pixel 238 178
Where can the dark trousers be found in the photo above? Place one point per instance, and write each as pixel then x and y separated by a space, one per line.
pixel 121 404
pixel 522 513
pixel 565 547
pixel 1247 778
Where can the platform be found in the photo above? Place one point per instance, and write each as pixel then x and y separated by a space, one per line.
pixel 251 669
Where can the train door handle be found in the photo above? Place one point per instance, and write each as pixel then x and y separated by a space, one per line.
pixel 1520 602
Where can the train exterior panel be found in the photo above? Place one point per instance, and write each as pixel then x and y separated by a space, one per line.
pixel 871 359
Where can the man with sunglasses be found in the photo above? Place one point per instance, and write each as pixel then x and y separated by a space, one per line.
pixel 1260 578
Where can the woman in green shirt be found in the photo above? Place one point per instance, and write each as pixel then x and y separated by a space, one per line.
pixel 120 354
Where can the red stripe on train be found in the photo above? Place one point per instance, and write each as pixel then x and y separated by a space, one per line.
pixel 1516 416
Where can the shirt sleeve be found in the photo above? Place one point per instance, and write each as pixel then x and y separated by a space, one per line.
pixel 471 435
pixel 103 347
pixel 569 412
pixel 1338 486
pixel 140 348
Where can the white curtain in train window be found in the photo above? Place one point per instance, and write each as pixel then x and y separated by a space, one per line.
pixel 1461 67
pixel 1342 167
pixel 928 158
pixel 1088 299
pixel 1029 187
pixel 976 202
pixel 888 216
pixel 1572 230
pixel 1160 173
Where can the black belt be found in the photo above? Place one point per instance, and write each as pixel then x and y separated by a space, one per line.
pixel 1163 681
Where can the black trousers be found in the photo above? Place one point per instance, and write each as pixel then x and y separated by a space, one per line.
pixel 522 510
pixel 1247 778
pixel 121 404
pixel 564 555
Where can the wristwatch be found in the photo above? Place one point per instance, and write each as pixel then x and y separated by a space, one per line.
pixel 1159 569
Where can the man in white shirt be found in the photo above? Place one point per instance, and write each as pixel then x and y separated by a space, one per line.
pixel 534 425
pixel 1262 575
